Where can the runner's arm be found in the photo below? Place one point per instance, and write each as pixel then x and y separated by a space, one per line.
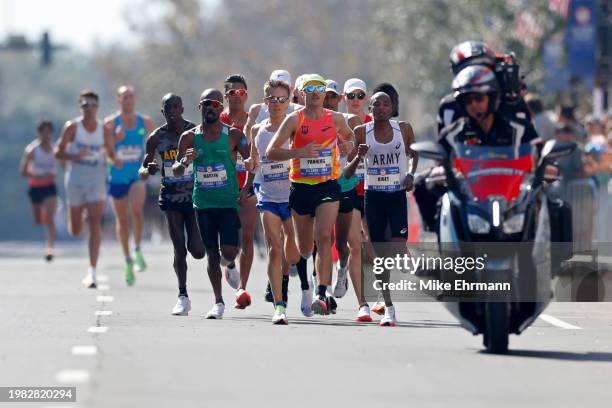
pixel 67 136
pixel 185 144
pixel 253 113
pixel 149 158
pixel 275 150
pixel 26 158
pixel 408 135
pixel 344 131
pixel 351 167
pixel 240 142
pixel 148 123
pixel 109 149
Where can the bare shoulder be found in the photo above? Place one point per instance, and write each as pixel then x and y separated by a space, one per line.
pixel 254 110
pixel 29 149
pixel 110 118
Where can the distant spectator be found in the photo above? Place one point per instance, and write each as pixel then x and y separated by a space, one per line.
pixel 566 116
pixel 541 119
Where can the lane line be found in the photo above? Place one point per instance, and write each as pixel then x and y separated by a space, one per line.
pixel 103 287
pixel 103 313
pixel 84 350
pixel 97 329
pixel 106 299
pixel 558 322
pixel 102 278
pixel 72 376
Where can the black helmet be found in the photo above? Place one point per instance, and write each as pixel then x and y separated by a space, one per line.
pixel 477 79
pixel 471 53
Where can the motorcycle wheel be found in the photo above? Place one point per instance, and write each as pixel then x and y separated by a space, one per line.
pixel 497 327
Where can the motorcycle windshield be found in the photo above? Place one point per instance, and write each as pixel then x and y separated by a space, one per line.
pixel 494 170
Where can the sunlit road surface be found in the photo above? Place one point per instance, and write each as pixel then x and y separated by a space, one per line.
pixel 121 347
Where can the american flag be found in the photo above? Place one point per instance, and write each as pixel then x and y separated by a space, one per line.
pixel 559 6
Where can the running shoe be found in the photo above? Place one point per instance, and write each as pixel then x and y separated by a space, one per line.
pixel 364 314
pixel 280 317
pixel 341 285
pixel 306 305
pixel 379 308
pixel 129 273
pixel 49 255
pixel 141 265
pixel 319 305
pixel 268 296
pixel 232 276
pixel 331 304
pixel 89 281
pixel 389 319
pixel 216 312
pixel 182 307
pixel 243 299
pixel 293 272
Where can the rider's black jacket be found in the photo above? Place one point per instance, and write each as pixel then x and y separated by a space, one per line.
pixel 449 111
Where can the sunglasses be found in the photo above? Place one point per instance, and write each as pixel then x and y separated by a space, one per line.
pixel 208 102
pixel 277 99
pixel 236 92
pixel 89 105
pixel 314 88
pixel 354 95
pixel 469 99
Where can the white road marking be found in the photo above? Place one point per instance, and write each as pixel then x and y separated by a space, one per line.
pixel 97 329
pixel 106 299
pixel 103 287
pixel 84 350
pixel 102 278
pixel 558 322
pixel 72 376
pixel 103 313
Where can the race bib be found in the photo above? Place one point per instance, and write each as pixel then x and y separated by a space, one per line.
pixel 169 177
pixel 211 176
pixel 384 179
pixel 240 163
pixel 360 172
pixel 93 155
pixel 274 171
pixel 317 166
pixel 129 153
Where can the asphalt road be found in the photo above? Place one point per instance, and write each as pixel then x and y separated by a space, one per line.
pixel 144 357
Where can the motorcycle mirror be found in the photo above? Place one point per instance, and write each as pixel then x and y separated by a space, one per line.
pixel 430 150
pixel 554 149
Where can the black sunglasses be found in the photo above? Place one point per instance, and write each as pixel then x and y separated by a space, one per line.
pixel 354 95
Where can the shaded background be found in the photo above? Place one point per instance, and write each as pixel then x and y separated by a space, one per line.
pixel 189 45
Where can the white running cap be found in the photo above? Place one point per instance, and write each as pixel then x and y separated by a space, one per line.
pixel 281 75
pixel 353 84
pixel 331 86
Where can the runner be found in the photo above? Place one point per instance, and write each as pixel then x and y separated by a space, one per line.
pixel 257 114
pixel 298 97
pixel 315 167
pixel 129 130
pixel 236 116
pixel 80 146
pixel 175 193
pixel 273 195
pixel 38 165
pixel 385 145
pixel 348 223
pixel 215 193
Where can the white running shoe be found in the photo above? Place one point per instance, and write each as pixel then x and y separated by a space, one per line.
pixel 364 314
pixel 307 302
pixel 341 285
pixel 182 307
pixel 89 281
pixel 389 317
pixel 216 312
pixel 232 276
pixel 313 285
pixel 293 272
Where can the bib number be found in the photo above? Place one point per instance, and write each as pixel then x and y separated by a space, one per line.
pixel 129 153
pixel 211 176
pixel 274 171
pixel 384 179
pixel 317 166
pixel 240 163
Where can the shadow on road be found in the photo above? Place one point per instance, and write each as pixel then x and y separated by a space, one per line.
pixel 561 355
pixel 422 324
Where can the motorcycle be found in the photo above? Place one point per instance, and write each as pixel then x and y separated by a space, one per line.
pixel 496 198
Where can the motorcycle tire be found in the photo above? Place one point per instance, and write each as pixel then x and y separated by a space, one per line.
pixel 497 327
